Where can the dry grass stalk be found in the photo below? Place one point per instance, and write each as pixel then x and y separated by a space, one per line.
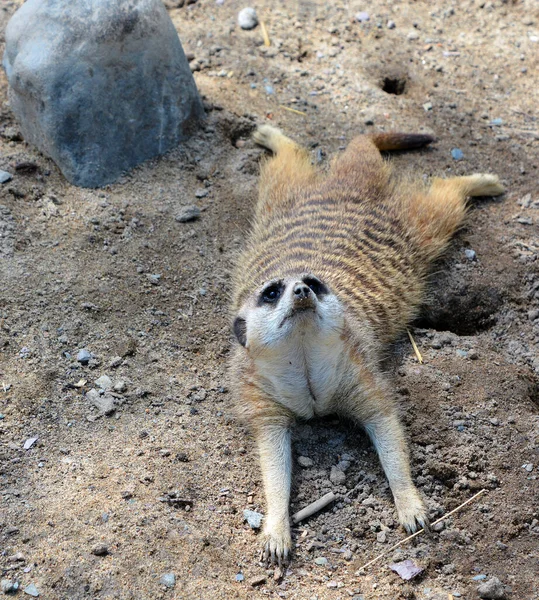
pixel 416 349
pixel 294 110
pixel 267 41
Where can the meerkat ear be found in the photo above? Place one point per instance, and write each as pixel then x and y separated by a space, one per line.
pixel 240 330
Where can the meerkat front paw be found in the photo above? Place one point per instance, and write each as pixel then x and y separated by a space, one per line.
pixel 276 544
pixel 412 512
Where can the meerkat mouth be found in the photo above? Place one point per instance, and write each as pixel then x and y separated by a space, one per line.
pixel 298 310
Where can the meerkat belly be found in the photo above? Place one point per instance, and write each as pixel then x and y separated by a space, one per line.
pixel 305 377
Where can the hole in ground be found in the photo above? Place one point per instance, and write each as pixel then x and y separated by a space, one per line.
pixel 394 85
pixel 465 310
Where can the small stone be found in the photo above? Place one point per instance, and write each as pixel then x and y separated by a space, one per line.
pixel 479 578
pixel 188 213
pixel 305 462
pixel 438 527
pixel 5 176
pixel 533 314
pixel 202 192
pixel 154 278
pixel 247 18
pixel 239 577
pixel 321 561
pixel 470 254
pixel 528 467
pixel 492 590
pixel 347 555
pixel 31 590
pixel 457 154
pixel 100 550
pixel 413 35
pixel 381 537
pixel 8 586
pixel 120 387
pixel 115 362
pixel 84 356
pixel 337 477
pixel 104 382
pixel 18 557
pixel 427 106
pixel 406 569
pixel 256 581
pixel 168 580
pixel 29 443
pixel 462 353
pixel 362 17
pixel 496 122
pixel 391 25
pixel 106 403
pixel 253 518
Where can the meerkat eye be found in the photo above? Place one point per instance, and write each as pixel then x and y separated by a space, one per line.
pixel 272 293
pixel 316 285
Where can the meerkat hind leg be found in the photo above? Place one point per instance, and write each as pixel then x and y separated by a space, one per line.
pixel 288 171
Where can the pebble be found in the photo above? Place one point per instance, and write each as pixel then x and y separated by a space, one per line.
pixel 381 537
pixel 492 590
pixel 533 314
pixel 29 443
pixel 202 192
pixel 406 569
pixel 496 122
pixel 470 254
pixel 337 477
pixel 321 561
pixel 305 462
pixel 427 106
pixel 253 518
pixel 5 176
pixel 462 353
pixel 84 356
pixel 168 580
pixel 347 555
pixel 120 387
pixel 239 577
pixel 8 586
pixel 100 550
pixel 31 590
pixel 528 467
pixel 391 25
pixel 413 35
pixel 104 382
pixel 256 581
pixel 457 154
pixel 362 17
pixel 473 354
pixel 115 362
pixel 188 213
pixel 247 18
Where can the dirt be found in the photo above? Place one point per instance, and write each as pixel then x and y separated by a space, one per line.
pixel 103 505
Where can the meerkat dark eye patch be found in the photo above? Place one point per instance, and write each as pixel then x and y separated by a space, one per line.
pixel 271 293
pixel 315 285
pixel 240 330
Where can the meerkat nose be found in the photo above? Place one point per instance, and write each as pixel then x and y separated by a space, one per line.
pixel 301 291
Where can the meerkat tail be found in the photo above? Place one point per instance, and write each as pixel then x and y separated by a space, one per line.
pixel 272 138
pixel 480 184
pixel 401 141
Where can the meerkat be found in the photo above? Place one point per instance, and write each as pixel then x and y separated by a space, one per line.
pixel 333 270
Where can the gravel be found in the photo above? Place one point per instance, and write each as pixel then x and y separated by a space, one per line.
pixel 253 518
pixel 247 18
pixel 337 477
pixel 84 356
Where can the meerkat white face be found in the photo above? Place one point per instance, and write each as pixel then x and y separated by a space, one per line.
pixel 300 304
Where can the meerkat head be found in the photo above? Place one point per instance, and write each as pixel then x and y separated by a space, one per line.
pixel 297 304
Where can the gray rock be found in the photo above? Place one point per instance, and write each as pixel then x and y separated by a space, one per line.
pixel 83 356
pixel 337 477
pixel 253 518
pixel 470 254
pixel 188 213
pixel 100 550
pixel 31 590
pixel 247 18
pixel 362 17
pixel 321 561
pixel 5 176
pixel 105 404
pixel 104 382
pixel 8 586
pixel 305 462
pixel 492 590
pixel 99 86
pixel 120 386
pixel 168 579
pixel 391 25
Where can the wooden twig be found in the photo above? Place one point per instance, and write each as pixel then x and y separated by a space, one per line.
pixel 267 41
pixel 416 349
pixel 314 507
pixel 421 531
pixel 294 110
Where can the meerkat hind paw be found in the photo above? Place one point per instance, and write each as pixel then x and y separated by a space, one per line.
pixel 413 515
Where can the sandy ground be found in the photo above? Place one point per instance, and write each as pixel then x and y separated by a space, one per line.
pixel 114 272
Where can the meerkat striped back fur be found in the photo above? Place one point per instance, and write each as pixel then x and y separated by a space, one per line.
pixel 333 270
